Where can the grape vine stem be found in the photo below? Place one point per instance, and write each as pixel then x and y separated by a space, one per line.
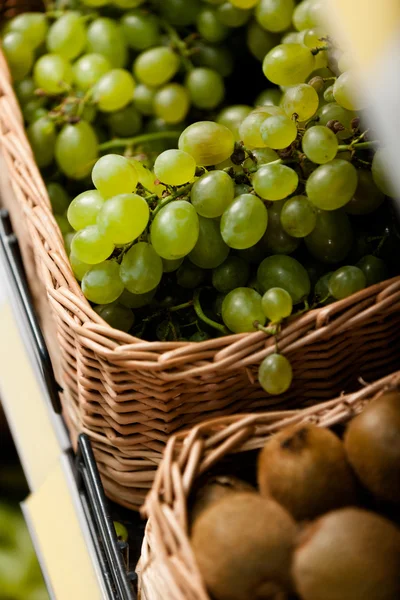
pixel 139 139
pixel 203 317
pixel 360 146
pixel 167 199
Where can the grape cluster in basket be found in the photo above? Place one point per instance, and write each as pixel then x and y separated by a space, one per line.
pixel 193 217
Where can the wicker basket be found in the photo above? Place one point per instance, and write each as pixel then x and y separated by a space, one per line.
pixel 129 395
pixel 167 567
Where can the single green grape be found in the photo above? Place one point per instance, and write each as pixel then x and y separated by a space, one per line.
pixel 284 272
pixel 262 156
pixel 156 66
pixel 175 230
pixel 288 64
pixel 171 103
pixel 244 222
pixel 125 122
pixel 114 174
pixel 67 36
pixel 169 266
pixel 275 15
pixel 320 144
pixel 189 276
pixel 89 68
pixel 63 224
pixel 374 269
pixel 302 16
pixel 346 93
pixel 34 110
pixel 332 237
pixel 244 4
pixel 278 132
pixel 141 29
pixel 298 216
pixel 180 13
pixel 231 16
pixel 25 90
pixel 242 188
pixel 84 209
pixel 346 281
pixel 380 172
pixel 275 374
pixel 215 57
pixel 42 137
pixel 334 112
pixel 259 42
pixel 321 289
pixel 241 309
pixel 53 74
pixel 102 284
pixel 232 273
pixel 249 129
pixel 314 38
pixel 144 99
pixel 141 268
pixel 301 100
pixel 68 237
pixel 116 315
pixel 32 25
pixel 210 249
pixel 209 143
pixel 91 246
pixel 199 336
pixel 292 37
pixel 328 94
pixel 136 300
pixel 332 185
pixel 275 182
pixel 105 36
pixel 210 27
pixel 79 268
pixel 18 53
pixel 114 90
pixel 275 239
pixel 277 304
pixel 367 197
pixel 59 198
pixel 212 193
pixel 269 97
pixel 123 218
pixel 174 167
pixel 206 88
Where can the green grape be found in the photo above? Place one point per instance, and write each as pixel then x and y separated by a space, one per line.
pixel 263 156
pixel 141 29
pixel 209 143
pixel 123 218
pixel 278 132
pixel 18 53
pixel 144 99
pixel 275 239
pixel 241 308
pixel 328 94
pixel 217 58
pixel 91 246
pixel 102 283
pixel 76 150
pixel 321 290
pixel 367 197
pixel 292 37
pixel 232 273
pixel 210 27
pixel 298 216
pixel 288 64
pixel 89 69
pixel 42 137
pixel 156 66
pixel 242 188
pixel 249 129
pixel 244 4
pixel 210 249
pixel 206 87
pixel 79 268
pixel 275 182
pixel 171 103
pixel 114 174
pixel 53 74
pixel 275 15
pixel 334 112
pixel 314 38
pixel 346 281
pixel 125 4
pixel 332 185
pixel 33 110
pixel 141 268
pixel 380 172
pixel 189 276
pixel 320 144
pixel 254 254
pixel 25 90
pixel 117 316
pixel 301 100
pixel 212 193
pixel 175 230
pixel 199 336
pixel 217 306
pixel 63 224
pixel 345 92
pixel 174 167
pixel 332 237
pixel 302 16
pixel 67 36
pixel 68 237
pixel 33 27
pixel 244 222
pixel 284 272
pixel 231 16
pixel 125 122
pixel 277 304
pixel 84 209
pixel 59 198
pixel 374 269
pixel 169 266
pixel 232 116
pixel 275 374
pixel 259 41
pixel 136 300
pixel 270 97
pixel 114 90
pixel 94 3
pixel 105 37
pixel 180 13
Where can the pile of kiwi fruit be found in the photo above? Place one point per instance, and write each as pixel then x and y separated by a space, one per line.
pixel 322 523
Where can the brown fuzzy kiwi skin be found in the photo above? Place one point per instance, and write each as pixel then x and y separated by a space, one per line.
pixel 305 469
pixel 348 554
pixel 243 546
pixel 372 443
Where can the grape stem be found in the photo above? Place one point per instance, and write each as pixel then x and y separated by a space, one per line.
pixel 203 317
pixel 181 306
pixel 316 51
pixel 270 330
pixel 139 139
pixel 167 199
pixel 179 44
pixel 358 146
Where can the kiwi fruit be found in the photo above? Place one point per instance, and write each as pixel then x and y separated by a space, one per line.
pixel 243 546
pixel 348 554
pixel 305 469
pixel 215 488
pixel 372 443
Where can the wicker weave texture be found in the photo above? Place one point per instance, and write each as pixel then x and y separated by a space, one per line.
pixel 167 567
pixel 129 395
